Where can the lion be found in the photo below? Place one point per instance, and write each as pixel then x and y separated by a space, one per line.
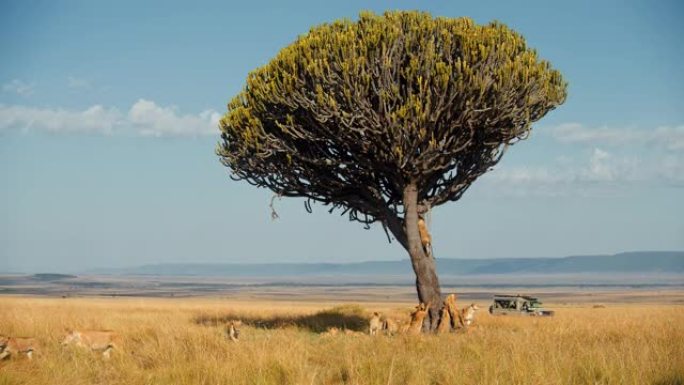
pixel 96 340
pixel 392 327
pixel 449 315
pixel 425 238
pixel 452 309
pixel 332 331
pixel 14 346
pixel 417 317
pixel 375 324
pixel 232 330
pixel 444 325
pixel 467 315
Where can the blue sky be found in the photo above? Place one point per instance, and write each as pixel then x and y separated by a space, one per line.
pixel 107 133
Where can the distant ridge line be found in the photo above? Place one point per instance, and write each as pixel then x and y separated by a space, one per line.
pixel 627 262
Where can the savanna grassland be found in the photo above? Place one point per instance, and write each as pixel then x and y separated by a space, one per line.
pixel 181 341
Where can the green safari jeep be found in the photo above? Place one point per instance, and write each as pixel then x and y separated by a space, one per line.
pixel 518 305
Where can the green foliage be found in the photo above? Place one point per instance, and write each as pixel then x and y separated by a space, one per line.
pixel 353 111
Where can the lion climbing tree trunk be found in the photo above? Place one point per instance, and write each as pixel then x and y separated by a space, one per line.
pixel 423 263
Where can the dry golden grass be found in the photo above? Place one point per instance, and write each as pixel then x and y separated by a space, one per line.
pixel 179 342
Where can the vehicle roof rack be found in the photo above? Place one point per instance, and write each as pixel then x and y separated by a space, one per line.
pixel 527 297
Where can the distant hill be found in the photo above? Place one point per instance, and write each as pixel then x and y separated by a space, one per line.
pixel 631 262
pixel 51 276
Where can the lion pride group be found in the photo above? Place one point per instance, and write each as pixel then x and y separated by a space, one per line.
pixel 450 319
pixel 106 341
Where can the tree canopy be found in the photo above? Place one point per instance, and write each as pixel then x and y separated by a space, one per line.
pixel 353 111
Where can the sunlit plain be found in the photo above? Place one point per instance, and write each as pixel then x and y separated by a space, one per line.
pixel 181 341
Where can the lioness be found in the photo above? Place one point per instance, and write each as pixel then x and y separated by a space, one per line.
pixel 96 340
pixel 391 327
pixel 417 318
pixel 232 330
pixel 449 315
pixel 467 315
pixel 425 238
pixel 375 324
pixel 13 346
pixel 444 320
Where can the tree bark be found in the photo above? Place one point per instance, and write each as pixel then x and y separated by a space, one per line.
pixel 427 283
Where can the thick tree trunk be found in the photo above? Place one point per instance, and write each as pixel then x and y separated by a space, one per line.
pixel 427 282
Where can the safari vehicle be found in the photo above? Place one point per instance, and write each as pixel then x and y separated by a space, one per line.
pixel 518 305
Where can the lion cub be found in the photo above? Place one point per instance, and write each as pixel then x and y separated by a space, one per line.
pixel 391 327
pixel 13 346
pixel 467 315
pixel 96 340
pixel 444 325
pixel 375 324
pixel 417 318
pixel 332 331
pixel 232 330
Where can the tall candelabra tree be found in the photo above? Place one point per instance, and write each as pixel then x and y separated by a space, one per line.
pixel 386 117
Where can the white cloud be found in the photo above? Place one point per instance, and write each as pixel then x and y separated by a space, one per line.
pixel 672 137
pixel 19 87
pixel 78 83
pixel 153 120
pixel 597 171
pixel 599 166
pixel 671 169
pixel 144 118
pixel 609 160
pixel 95 119
pixel 668 137
pixel 605 167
